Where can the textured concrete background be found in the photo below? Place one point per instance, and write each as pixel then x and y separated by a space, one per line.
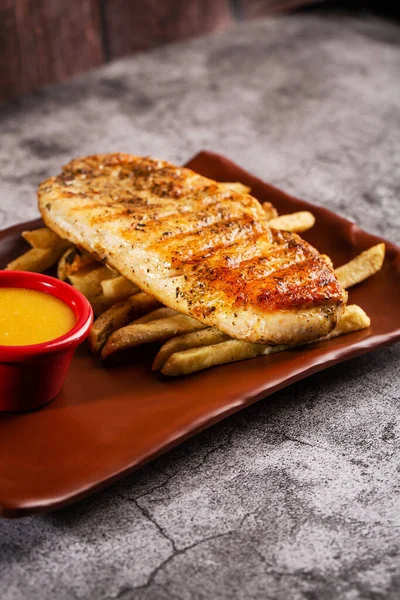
pixel 296 497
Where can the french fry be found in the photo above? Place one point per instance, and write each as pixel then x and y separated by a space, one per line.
pixel 118 316
pixel 36 259
pixel 270 210
pixel 236 186
pixel 159 313
pixel 195 339
pixel 196 359
pixel 100 304
pixel 361 267
pixel 88 281
pixel 73 261
pixel 353 319
pixel 62 272
pixel 47 248
pixel 154 331
pixel 298 221
pixel 44 238
pixel 118 288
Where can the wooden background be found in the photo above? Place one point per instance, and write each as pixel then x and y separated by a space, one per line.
pixel 45 41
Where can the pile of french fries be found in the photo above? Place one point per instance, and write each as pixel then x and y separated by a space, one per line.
pixel 128 317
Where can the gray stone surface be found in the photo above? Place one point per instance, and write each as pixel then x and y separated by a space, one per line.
pixel 297 497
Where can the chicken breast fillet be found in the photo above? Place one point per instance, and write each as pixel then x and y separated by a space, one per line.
pixel 195 245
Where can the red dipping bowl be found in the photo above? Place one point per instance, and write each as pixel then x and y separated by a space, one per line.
pixel 32 375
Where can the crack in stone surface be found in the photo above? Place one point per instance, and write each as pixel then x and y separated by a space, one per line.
pixel 226 443
pixel 150 517
pixel 157 487
pixel 161 485
pixel 271 571
pixel 291 438
pixel 125 592
pixel 177 552
pixel 223 444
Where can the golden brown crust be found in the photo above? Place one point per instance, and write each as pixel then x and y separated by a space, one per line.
pixel 289 275
pixel 194 244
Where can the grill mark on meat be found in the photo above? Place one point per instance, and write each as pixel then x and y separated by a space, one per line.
pixel 295 287
pixel 187 249
pixel 289 276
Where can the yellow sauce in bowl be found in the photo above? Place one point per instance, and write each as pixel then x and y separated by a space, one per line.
pixel 32 317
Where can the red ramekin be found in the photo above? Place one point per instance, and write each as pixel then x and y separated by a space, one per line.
pixel 32 375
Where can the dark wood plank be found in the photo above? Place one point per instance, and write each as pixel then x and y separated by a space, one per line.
pixel 9 59
pixel 258 8
pixel 140 24
pixel 43 41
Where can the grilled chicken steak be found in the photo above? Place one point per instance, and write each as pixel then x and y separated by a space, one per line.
pixel 196 246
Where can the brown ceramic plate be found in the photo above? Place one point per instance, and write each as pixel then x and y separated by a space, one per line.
pixel 108 421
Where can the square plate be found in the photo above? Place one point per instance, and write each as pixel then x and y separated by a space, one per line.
pixel 108 421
